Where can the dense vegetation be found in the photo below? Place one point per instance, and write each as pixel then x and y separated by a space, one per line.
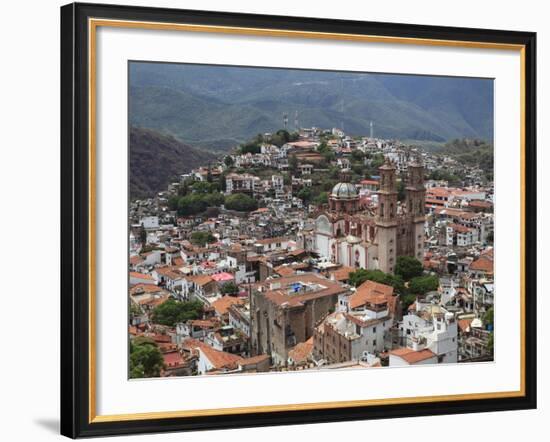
pixel 420 285
pixel 472 152
pixel 146 360
pixel 240 202
pixel 172 312
pixel 361 275
pixel 408 267
pixel 229 288
pixel 195 198
pixel 156 160
pixel 408 281
pixel 202 238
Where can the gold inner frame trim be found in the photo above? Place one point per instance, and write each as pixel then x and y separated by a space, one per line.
pixel 93 24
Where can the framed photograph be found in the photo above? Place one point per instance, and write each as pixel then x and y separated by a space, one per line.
pixel 274 220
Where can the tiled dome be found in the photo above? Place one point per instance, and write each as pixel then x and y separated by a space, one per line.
pixel 344 190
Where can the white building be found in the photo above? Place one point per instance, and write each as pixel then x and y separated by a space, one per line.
pixel 244 183
pixel 277 184
pixel 431 327
pixel 345 336
pixel 150 222
pixel 457 235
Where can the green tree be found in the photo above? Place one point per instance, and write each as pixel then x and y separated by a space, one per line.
pixel 491 343
pixel 305 194
pixel 489 317
pixel 376 161
pixel 142 236
pixel 172 312
pixel 192 204
pixel 173 202
pixel 253 146
pixel 183 189
pixel 421 285
pixel 407 300
pixel 401 194
pixel 358 169
pixel 146 360
pixel 322 198
pixel 359 276
pixel 281 137
pixel 408 267
pixel 202 238
pixel 357 155
pixel 241 202
pixel 327 152
pixel 229 288
pixel 228 161
pixel 323 147
pixel 204 187
pixel 215 199
pixel 293 163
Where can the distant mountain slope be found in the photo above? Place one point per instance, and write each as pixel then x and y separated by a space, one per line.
pixel 156 159
pixel 217 106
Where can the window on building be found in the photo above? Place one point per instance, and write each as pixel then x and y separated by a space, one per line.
pixel 374 342
pixel 374 329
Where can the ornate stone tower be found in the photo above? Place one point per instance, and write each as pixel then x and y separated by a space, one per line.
pixel 415 193
pixel 386 218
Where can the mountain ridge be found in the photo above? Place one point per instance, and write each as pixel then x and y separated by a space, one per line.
pixel 157 159
pixel 216 106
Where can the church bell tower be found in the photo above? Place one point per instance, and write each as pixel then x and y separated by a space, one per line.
pixel 386 218
pixel 415 196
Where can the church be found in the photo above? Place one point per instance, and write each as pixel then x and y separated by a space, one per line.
pixel 373 238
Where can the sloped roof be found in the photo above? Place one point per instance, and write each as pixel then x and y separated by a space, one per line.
pixel 370 291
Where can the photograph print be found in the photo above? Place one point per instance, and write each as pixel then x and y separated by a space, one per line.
pixel 287 220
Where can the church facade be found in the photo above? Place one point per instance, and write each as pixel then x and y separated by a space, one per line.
pixel 373 238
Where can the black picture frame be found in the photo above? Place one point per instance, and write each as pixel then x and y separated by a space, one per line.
pixel 75 195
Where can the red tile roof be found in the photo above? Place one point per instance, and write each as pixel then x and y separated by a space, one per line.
pixel 484 264
pixel 342 273
pixel 141 276
pixel 412 356
pixel 222 305
pixel 302 351
pixel 369 291
pixel 283 294
pixel 172 359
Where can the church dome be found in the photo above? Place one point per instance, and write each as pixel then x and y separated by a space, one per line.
pixel 344 190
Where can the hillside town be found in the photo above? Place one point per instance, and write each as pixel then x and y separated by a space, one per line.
pixel 313 250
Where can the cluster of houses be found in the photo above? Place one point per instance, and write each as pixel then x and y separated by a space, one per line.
pixel 271 301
